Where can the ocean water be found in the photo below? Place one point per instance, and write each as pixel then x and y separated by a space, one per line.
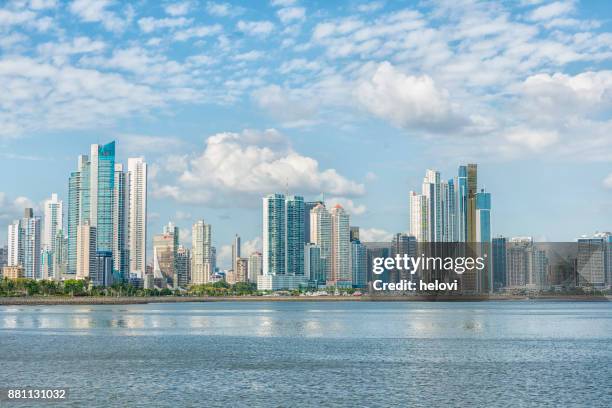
pixel 302 354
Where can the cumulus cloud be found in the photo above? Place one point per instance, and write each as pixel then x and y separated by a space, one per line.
pixel 412 102
pixel 178 9
pixel 290 14
pixel 237 168
pixel 223 9
pixel 554 9
pixel 349 205
pixel 12 209
pixel 92 11
pixel 255 28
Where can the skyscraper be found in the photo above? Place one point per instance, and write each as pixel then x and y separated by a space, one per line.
pixel 165 247
pixel 3 256
pixel 592 261
pixel 202 257
pixel 321 235
pixel 482 217
pixel 78 207
pixel 16 242
pixel 419 218
pixel 137 214
pixel 120 214
pixel 498 252
pixel 274 239
pixel 313 269
pixel 255 266
pixel 472 189
pixel 294 234
pixel 359 264
pixel 283 243
pixel 308 206
pixel 86 262
pixel 101 193
pixel 32 245
pixel 53 213
pixel 183 266
pixel 340 249
pixel 432 190
pixel 235 252
pixel 461 204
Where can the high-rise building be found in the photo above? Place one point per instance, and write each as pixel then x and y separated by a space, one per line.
pixel 472 189
pixel 593 260
pixel 78 207
pixel 120 214
pixel 183 266
pixel 359 264
pixel 101 193
pixel 402 244
pixel 53 213
pixel 32 245
pixel 165 247
pixel 3 256
pixel 313 268
pixel 432 190
pixel 104 269
pixel 235 252
pixel 461 203
pixel 498 252
pixel 255 266
pixel 294 235
pixel 354 231
pixel 274 238
pixel 137 214
pixel 86 261
pixel 340 249
pixel 308 206
pixel 321 235
pixel 202 254
pixel 482 217
pixel 283 243
pixel 16 243
pixel 419 216
pixel 242 270
pixel 60 255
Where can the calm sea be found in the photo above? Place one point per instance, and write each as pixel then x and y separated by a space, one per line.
pixel 324 354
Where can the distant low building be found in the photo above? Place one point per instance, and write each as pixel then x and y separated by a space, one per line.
pixel 13 272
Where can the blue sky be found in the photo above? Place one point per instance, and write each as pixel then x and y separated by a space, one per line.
pixel 229 101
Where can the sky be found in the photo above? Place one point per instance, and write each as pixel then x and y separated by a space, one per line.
pixel 229 101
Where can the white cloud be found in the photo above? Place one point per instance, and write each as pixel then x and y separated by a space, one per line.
pixel 555 9
pixel 198 32
pixel 250 246
pixel 12 209
pixel 289 14
pixel 178 9
pixel 255 28
pixel 238 168
pixel 10 18
pixel 607 182
pixel 223 9
pixel 150 24
pixel 374 235
pixel 349 205
pixel 371 6
pixel 533 140
pixel 408 101
pixel 42 4
pixel 92 11
pixel 252 55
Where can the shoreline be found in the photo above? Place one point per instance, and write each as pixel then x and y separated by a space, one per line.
pixel 104 300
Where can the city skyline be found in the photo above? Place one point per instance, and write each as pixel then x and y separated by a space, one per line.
pixel 227 103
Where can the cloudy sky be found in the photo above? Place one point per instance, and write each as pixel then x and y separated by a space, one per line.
pixel 353 99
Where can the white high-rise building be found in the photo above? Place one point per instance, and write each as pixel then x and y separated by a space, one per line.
pixel 15 244
pixel 202 263
pixel 53 221
pixel 255 265
pixel 86 262
pixel 341 249
pixel 321 235
pixel 419 217
pixel 137 214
